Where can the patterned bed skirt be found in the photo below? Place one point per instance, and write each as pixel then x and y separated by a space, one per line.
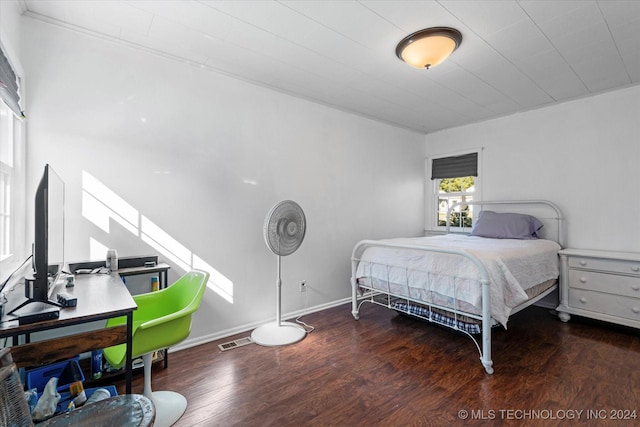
pixel 462 323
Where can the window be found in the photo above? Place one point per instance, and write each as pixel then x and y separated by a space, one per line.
pixel 450 192
pixel 12 178
pixel 454 179
pixel 6 178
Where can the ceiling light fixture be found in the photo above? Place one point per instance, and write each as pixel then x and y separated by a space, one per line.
pixel 428 48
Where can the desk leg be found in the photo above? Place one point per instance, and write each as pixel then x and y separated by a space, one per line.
pixel 164 277
pixel 128 362
pixel 164 283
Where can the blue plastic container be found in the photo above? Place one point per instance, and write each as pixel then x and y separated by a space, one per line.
pixel 37 378
pixel 65 398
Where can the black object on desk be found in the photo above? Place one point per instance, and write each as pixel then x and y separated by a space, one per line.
pixel 37 312
pixel 123 263
pixel 67 300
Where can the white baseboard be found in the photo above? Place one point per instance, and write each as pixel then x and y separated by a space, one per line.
pixel 188 343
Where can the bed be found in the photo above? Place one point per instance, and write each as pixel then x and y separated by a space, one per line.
pixel 469 281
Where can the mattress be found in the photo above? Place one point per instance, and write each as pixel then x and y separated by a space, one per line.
pixel 452 281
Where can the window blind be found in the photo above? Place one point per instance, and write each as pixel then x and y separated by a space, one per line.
pixel 456 166
pixel 9 88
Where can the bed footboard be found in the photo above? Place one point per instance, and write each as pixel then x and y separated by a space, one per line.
pixel 359 295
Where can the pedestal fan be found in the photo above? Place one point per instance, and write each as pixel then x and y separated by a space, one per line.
pixel 284 229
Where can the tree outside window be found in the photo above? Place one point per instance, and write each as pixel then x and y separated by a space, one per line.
pixel 450 192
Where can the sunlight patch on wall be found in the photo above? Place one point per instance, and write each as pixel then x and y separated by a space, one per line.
pixel 97 250
pixel 100 205
pixel 99 214
pixel 217 282
pixel 174 251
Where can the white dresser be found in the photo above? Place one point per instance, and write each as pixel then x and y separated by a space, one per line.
pixel 600 284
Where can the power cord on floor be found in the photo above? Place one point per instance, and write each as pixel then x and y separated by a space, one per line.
pixel 311 328
pixel 307 328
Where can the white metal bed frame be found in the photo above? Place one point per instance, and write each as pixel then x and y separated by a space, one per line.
pixel 376 296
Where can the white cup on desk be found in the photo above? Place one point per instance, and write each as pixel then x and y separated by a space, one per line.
pixel 112 260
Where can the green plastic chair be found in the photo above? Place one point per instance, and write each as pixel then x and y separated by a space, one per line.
pixel 163 319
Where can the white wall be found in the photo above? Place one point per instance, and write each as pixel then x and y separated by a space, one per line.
pixel 204 157
pixel 582 155
pixel 10 25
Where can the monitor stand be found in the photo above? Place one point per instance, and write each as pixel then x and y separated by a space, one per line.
pixel 30 300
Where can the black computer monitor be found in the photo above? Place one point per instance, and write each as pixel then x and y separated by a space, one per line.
pixel 48 245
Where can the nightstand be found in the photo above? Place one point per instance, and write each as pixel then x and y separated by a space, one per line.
pixel 601 285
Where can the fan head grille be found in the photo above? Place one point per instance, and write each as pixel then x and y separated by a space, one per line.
pixel 285 227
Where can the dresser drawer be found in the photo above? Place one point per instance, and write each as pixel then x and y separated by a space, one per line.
pixel 612 265
pixel 602 282
pixel 613 305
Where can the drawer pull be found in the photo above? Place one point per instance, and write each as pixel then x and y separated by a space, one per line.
pixel 635 268
pixel 583 263
pixel 636 310
pixel 583 280
pixel 583 300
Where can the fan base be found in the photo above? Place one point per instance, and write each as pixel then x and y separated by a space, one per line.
pixel 274 334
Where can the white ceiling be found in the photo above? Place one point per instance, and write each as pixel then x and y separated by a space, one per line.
pixel 514 56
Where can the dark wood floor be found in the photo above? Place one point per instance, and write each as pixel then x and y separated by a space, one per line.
pixel 387 369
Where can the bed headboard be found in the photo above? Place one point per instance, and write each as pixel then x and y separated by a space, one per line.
pixel 547 212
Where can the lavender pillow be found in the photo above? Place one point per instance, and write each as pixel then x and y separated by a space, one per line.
pixel 506 226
